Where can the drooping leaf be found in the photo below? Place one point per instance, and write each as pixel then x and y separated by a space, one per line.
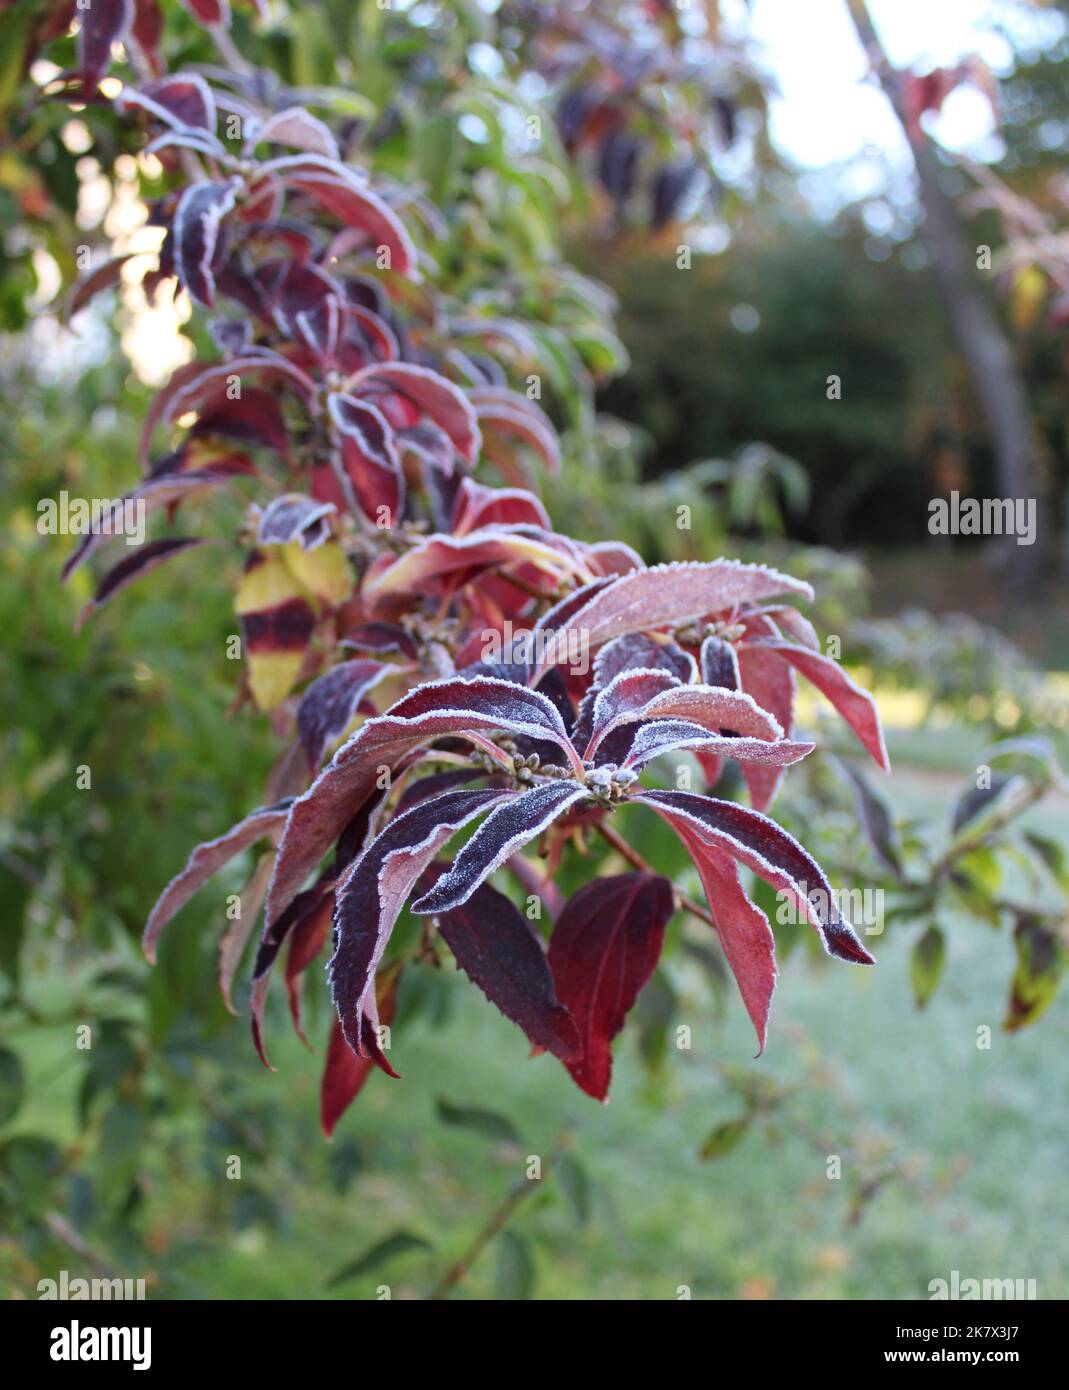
pixel 1042 957
pixel 143 560
pixel 103 23
pixel 488 1123
pixel 856 706
pixel 604 948
pixel 344 1073
pixel 197 220
pixel 770 852
pixel 374 889
pixel 515 1268
pixel 205 861
pixel 499 951
pixel 926 964
pixel 399 1243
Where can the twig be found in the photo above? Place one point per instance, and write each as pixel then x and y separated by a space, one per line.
pixel 685 903
pixel 496 1221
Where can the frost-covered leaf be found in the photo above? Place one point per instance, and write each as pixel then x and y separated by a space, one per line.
pixel 770 852
pixel 672 595
pixel 374 889
pixel 331 702
pixel 197 220
pixel 431 393
pixel 207 859
pixel 472 709
pixel 506 829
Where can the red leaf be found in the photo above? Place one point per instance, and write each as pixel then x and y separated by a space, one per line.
pixel 770 852
pixel 300 130
pixel 344 1073
pixel 855 705
pixel 742 927
pixel 501 953
pixel 369 452
pixel 332 185
pixel 603 950
pixel 182 102
pixel 671 595
pixel 210 12
pixel 144 559
pixel 433 395
pixel 207 859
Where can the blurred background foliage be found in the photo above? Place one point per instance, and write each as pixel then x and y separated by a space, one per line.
pixel 709 1168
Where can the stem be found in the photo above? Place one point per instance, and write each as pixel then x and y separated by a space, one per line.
pixel 685 903
pixel 494 1223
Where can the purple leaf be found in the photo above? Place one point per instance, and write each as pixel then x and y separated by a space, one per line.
pixel 470 709
pixel 501 953
pixel 197 220
pixel 435 396
pixel 332 701
pixel 294 517
pixel 300 130
pixel 720 665
pixel 637 650
pixel 770 852
pixel 104 23
pixel 142 561
pixel 671 595
pixel 506 829
pixel 373 891
pixel 855 705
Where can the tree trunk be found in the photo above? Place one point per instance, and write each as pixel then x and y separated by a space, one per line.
pixel 975 326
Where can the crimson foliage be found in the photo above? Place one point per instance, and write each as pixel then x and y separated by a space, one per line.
pixel 383 588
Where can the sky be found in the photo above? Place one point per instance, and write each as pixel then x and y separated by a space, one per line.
pixel 827 114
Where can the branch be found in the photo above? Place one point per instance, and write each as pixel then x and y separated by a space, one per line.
pixel 683 902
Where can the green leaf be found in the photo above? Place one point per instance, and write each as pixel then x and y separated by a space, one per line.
pixel 1041 961
pixel 485 1122
pixel 726 1136
pixel 399 1243
pixel 515 1268
pixel 119 1149
pixel 926 964
pixel 575 1183
pixel 877 819
pixel 12 1085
